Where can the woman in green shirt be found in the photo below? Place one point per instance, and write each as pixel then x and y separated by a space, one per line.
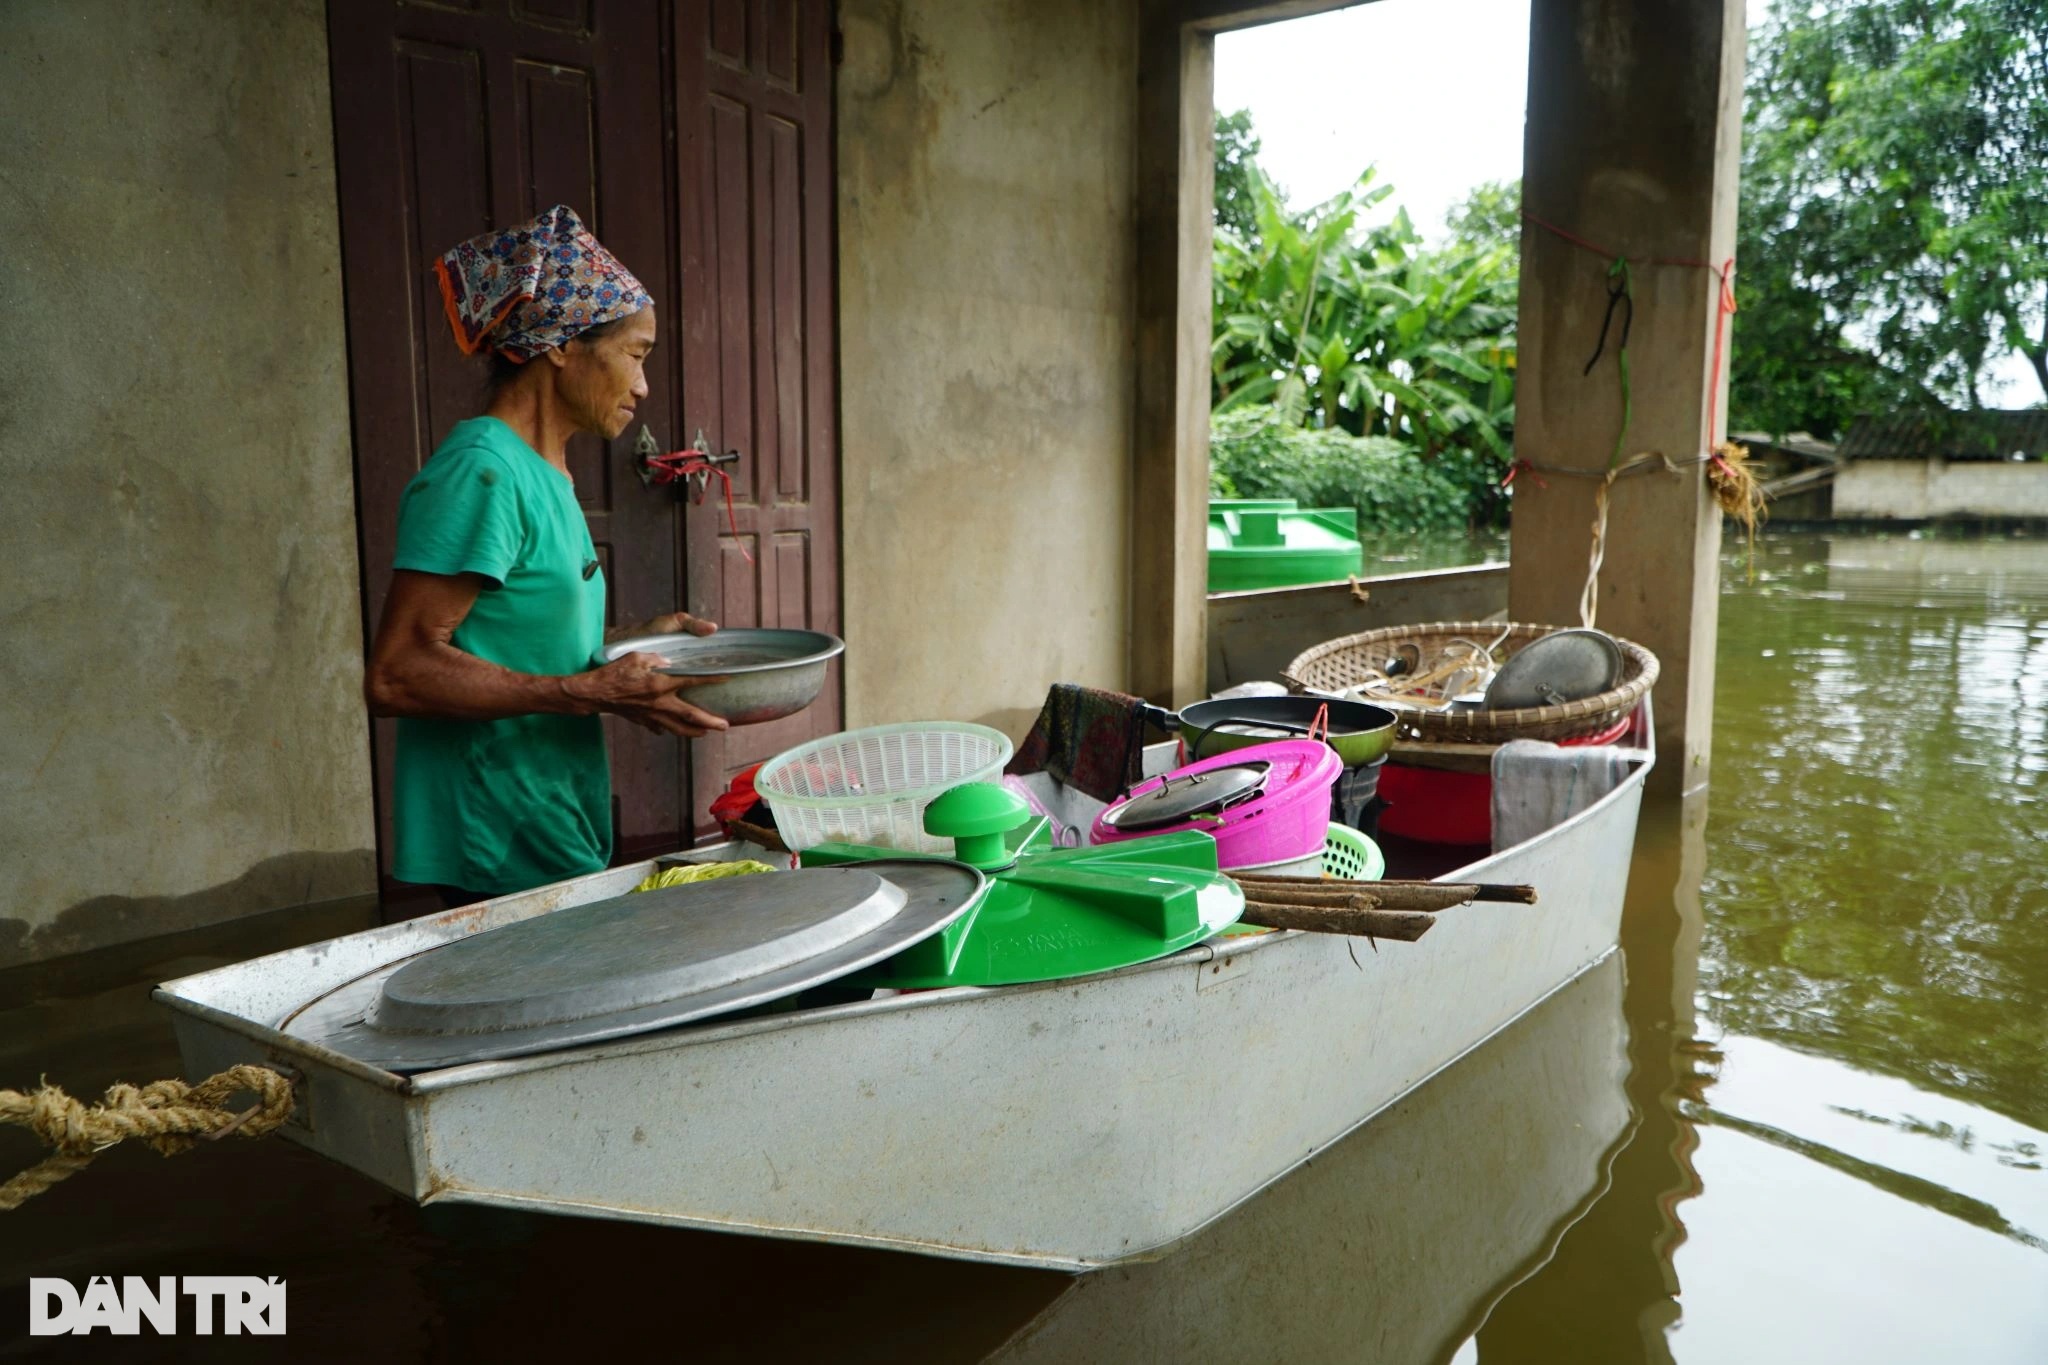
pixel 488 649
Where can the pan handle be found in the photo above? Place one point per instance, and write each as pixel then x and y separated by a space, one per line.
pixel 1227 723
pixel 1159 717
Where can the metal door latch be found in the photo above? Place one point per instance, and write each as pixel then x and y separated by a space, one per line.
pixel 694 467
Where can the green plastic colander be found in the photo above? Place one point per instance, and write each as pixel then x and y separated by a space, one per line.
pixel 1349 855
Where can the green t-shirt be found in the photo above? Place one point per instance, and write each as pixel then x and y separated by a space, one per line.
pixel 504 805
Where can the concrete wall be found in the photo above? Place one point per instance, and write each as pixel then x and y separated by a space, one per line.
pixel 180 736
pixel 1916 490
pixel 1253 636
pixel 986 267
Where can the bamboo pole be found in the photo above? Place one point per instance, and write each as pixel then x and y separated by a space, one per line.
pixel 1503 893
pixel 1312 893
pixel 1403 925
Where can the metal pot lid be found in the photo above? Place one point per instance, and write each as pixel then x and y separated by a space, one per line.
pixel 1180 799
pixel 1563 666
pixel 637 962
pixel 725 653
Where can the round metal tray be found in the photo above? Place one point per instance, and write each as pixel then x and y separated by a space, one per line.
pixel 635 963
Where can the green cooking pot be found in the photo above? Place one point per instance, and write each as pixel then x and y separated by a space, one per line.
pixel 1360 733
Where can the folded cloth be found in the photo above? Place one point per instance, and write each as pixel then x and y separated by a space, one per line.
pixel 1085 738
pixel 1538 785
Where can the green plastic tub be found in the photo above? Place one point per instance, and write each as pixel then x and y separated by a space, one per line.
pixel 1271 543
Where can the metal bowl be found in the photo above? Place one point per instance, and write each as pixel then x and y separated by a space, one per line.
pixel 750 676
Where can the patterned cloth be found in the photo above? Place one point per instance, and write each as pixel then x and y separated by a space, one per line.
pixel 1087 739
pixel 528 289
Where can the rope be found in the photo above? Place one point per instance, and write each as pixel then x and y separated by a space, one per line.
pixel 1589 596
pixel 169 1115
pixel 1725 307
pixel 1726 484
pixel 1642 462
pixel 1319 728
pixel 1620 294
pixel 683 464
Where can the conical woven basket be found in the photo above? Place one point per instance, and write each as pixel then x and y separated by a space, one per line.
pixel 1345 662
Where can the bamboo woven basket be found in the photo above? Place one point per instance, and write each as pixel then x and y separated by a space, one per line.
pixel 1344 662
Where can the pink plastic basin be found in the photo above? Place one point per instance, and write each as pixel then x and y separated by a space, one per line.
pixel 1289 819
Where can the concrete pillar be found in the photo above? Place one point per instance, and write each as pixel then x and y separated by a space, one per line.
pixel 1170 464
pixel 1631 143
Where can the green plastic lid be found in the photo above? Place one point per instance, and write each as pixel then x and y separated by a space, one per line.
pixel 1061 912
pixel 976 816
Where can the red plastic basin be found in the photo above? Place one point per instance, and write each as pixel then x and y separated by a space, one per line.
pixel 1438 807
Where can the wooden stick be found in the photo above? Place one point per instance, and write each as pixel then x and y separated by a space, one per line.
pixel 1304 891
pixel 1429 897
pixel 1311 893
pixel 1485 891
pixel 1403 925
pixel 1519 892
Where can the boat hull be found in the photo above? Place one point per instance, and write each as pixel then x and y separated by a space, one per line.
pixel 1068 1124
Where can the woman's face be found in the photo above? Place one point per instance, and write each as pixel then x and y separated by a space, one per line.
pixel 603 380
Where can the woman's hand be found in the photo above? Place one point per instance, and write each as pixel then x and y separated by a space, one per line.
pixel 632 687
pixel 675 623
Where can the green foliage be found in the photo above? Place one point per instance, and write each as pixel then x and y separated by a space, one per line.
pixel 1334 323
pixel 1363 329
pixel 1255 453
pixel 1236 147
pixel 1490 216
pixel 1894 219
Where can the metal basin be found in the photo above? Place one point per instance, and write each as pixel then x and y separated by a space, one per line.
pixel 750 676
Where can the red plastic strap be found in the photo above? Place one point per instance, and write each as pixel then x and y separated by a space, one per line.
pixel 1724 309
pixel 1517 467
pixel 681 464
pixel 1319 728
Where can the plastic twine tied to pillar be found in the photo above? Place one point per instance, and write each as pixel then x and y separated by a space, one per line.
pixel 1620 298
pixel 1734 488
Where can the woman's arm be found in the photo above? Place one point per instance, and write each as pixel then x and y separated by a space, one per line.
pixel 415 670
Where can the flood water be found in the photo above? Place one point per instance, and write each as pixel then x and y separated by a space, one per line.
pixel 1803 1117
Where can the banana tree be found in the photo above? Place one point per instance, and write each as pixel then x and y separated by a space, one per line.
pixel 1343 325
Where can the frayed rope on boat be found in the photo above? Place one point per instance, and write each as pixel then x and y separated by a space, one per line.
pixel 169 1115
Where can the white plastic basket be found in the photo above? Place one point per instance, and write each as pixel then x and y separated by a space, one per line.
pixel 871 786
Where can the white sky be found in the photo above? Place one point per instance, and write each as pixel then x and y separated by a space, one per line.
pixel 1432 92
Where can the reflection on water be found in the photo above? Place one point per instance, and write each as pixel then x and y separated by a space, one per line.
pixel 1878 888
pixel 1412 553
pixel 1393 1244
pixel 1837 1044
pixel 1829 1143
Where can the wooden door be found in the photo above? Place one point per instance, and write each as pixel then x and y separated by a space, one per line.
pixel 754 215
pixel 695 138
pixel 451 119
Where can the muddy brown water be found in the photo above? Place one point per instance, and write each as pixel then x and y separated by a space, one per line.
pixel 1803 1116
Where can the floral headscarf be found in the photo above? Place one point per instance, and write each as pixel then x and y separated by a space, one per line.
pixel 528 289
